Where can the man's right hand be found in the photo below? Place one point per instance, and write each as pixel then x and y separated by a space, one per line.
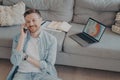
pixel 23 34
pixel 21 39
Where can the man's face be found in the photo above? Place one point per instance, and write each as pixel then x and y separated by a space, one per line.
pixel 33 22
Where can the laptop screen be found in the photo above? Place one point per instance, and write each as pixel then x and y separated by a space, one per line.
pixel 94 29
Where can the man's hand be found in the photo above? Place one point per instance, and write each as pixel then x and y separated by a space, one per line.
pixel 21 39
pixel 31 60
pixel 23 33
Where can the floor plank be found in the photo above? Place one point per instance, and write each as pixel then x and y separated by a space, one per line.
pixel 68 72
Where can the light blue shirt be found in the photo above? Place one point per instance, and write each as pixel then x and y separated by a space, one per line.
pixel 47 53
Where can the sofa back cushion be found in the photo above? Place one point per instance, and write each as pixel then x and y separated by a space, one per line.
pixel 60 10
pixel 102 10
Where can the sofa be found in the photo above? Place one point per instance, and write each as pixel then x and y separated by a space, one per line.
pixel 104 55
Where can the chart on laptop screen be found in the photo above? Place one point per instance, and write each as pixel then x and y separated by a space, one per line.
pixel 94 29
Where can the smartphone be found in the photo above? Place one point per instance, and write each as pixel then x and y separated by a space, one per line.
pixel 25 29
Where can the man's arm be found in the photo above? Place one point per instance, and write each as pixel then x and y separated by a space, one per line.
pixel 21 39
pixel 33 61
pixel 49 62
pixel 17 48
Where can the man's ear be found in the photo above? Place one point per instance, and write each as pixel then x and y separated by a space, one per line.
pixel 25 24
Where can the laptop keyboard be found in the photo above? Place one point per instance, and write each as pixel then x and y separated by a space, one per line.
pixel 85 38
pixel 79 40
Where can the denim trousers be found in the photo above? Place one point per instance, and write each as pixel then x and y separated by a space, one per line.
pixel 33 76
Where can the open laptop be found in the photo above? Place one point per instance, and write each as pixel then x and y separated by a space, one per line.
pixel 91 33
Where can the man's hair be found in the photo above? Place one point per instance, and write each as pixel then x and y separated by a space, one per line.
pixel 29 11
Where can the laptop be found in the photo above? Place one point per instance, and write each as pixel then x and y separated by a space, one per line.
pixel 91 33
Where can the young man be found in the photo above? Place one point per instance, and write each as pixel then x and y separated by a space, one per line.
pixel 33 51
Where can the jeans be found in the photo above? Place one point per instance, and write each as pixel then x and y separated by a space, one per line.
pixel 33 76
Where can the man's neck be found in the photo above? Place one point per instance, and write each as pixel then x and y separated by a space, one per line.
pixel 36 34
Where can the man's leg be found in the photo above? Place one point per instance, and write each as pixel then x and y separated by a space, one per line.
pixel 45 77
pixel 22 76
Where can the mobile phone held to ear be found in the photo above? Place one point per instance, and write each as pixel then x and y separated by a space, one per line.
pixel 25 29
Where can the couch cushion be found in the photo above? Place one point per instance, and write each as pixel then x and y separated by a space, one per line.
pixel 57 33
pixel 116 26
pixel 6 35
pixel 59 36
pixel 60 10
pixel 12 15
pixel 105 49
pixel 102 10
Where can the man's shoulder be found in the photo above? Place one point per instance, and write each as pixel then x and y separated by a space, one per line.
pixel 47 34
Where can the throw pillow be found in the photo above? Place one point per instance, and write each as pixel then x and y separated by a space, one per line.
pixel 116 27
pixel 61 26
pixel 60 35
pixel 12 15
pixel 57 26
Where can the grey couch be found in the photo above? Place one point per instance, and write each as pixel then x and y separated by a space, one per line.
pixel 104 55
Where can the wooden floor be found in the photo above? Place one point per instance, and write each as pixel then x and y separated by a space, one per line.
pixel 68 73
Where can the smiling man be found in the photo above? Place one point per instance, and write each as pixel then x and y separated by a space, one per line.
pixel 33 51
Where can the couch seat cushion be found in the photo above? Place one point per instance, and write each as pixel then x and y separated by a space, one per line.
pixel 108 47
pixel 6 35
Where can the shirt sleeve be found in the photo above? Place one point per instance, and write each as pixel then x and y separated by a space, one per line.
pixel 48 63
pixel 16 56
